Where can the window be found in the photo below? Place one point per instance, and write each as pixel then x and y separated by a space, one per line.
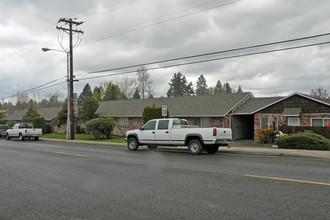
pixel 123 121
pixel 320 122
pixel 202 122
pixel 267 122
pixel 163 124
pixel 150 125
pixel 293 121
pixel 205 122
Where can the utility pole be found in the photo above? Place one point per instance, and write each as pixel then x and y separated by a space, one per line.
pixel 70 31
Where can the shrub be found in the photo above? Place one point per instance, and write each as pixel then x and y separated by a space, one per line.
pixel 266 135
pixel 2 122
pixel 304 140
pixel 48 129
pixel 101 127
pixel 39 122
pixel 80 130
pixel 11 123
pixel 152 112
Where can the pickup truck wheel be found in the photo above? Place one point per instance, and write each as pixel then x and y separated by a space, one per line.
pixel 195 147
pixel 21 137
pixel 211 149
pixel 132 144
pixel 36 138
pixel 152 147
pixel 7 137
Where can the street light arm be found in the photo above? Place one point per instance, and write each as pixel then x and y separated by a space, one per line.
pixel 45 49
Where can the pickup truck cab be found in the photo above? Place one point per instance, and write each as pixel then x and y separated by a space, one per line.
pixel 22 131
pixel 178 132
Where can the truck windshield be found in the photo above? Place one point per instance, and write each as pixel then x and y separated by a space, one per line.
pixel 180 122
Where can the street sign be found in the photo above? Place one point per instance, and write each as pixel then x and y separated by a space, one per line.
pixel 164 110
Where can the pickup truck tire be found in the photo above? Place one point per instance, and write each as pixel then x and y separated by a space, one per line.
pixel 7 137
pixel 211 149
pixel 21 137
pixel 195 147
pixel 132 144
pixel 36 138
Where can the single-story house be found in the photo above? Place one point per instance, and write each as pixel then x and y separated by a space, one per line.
pixel 47 113
pixel 204 111
pixel 294 110
pixel 242 112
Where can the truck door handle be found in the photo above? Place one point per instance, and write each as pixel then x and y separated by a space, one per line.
pixel 166 132
pixel 153 132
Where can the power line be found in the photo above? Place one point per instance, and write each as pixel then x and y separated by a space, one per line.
pixel 40 87
pixel 136 28
pixel 214 59
pixel 213 53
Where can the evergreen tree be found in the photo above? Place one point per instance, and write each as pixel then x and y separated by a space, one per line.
pixel 136 94
pixel 87 92
pixel 112 92
pixel 218 88
pixel 97 93
pixel 62 115
pixel 30 114
pixel 226 88
pixel 239 90
pixel 201 87
pixel 87 111
pixel 179 86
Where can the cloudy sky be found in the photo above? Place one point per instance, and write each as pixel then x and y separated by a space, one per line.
pixel 121 33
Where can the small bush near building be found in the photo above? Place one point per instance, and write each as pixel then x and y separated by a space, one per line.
pixel 48 129
pixel 101 127
pixel 39 122
pixel 2 122
pixel 11 123
pixel 266 135
pixel 304 140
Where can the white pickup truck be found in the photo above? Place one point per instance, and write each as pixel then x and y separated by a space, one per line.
pixel 177 132
pixel 22 131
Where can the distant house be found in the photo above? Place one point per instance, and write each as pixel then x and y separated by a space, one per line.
pixel 47 113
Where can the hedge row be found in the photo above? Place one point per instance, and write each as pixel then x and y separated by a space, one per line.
pixel 304 140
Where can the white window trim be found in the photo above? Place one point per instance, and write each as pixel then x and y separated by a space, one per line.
pixel 323 121
pixel 296 118
pixel 268 120
pixel 123 121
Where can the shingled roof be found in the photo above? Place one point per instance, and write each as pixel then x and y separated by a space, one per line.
pixel 251 106
pixel 47 113
pixel 187 106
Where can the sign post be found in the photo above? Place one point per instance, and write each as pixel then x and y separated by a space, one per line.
pixel 164 110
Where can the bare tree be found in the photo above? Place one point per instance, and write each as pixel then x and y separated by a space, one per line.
pixel 144 83
pixel 319 93
pixel 127 86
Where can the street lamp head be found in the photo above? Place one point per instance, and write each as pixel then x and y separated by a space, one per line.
pixel 44 49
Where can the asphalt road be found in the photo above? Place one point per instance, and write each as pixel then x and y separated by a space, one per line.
pixel 48 180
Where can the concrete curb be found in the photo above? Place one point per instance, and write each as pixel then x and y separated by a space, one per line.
pixel 264 150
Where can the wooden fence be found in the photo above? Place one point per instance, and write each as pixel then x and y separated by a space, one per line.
pixel 324 131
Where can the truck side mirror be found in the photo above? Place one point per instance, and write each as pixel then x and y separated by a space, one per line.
pixel 141 129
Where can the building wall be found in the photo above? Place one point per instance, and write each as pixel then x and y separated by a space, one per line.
pixel 305 120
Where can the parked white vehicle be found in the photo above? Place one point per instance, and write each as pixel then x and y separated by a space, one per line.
pixel 22 131
pixel 178 132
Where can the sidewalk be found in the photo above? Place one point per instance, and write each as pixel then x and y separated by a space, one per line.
pixel 245 147
pixel 237 147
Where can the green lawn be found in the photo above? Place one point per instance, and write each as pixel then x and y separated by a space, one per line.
pixel 85 137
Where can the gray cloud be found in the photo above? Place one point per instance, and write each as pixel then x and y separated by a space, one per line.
pixel 27 26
